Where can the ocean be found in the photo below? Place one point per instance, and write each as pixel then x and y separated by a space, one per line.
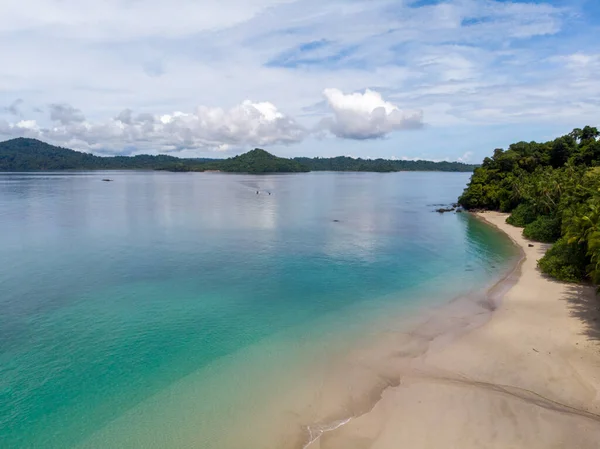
pixel 207 310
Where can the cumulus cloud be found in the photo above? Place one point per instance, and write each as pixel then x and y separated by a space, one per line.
pixel 357 116
pixel 366 115
pixel 209 129
pixel 468 64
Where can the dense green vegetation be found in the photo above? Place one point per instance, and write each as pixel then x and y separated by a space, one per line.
pixel 30 154
pixel 259 161
pixel 344 163
pixel 255 161
pixel 552 190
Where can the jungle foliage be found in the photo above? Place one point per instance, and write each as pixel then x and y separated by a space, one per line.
pixel 345 163
pixel 552 190
pixel 23 154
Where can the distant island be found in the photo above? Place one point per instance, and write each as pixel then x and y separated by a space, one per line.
pixel 24 154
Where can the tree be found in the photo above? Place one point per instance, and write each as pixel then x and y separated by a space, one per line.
pixel 589 133
pixel 553 190
pixel 30 154
pixel 561 151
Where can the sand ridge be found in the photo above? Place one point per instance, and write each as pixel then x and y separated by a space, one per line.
pixel 529 377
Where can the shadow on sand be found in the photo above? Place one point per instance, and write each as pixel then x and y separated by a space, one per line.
pixel 584 304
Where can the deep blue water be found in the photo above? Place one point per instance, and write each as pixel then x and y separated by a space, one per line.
pixel 113 292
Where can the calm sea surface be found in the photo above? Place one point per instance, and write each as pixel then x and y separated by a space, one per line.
pixel 155 310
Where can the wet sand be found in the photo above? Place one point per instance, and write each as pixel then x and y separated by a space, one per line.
pixel 528 377
pixel 515 366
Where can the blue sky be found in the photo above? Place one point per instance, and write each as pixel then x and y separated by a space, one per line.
pixel 440 80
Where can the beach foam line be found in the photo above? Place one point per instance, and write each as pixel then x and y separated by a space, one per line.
pixel 316 431
pixel 437 327
pixel 527 377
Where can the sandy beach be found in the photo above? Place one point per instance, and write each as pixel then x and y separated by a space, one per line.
pixel 527 378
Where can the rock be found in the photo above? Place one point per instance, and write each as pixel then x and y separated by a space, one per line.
pixel 441 210
pixel 530 245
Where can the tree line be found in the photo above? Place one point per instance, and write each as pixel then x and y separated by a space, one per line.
pixel 345 163
pixel 23 154
pixel 552 190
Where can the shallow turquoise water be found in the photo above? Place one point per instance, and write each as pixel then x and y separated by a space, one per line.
pixel 114 293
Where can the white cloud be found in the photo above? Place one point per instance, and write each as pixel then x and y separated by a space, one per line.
pixel 465 63
pixel 466 157
pixel 578 60
pixel 209 129
pixel 27 124
pixel 115 20
pixel 366 115
pixel 355 116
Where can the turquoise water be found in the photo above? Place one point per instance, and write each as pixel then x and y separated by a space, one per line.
pixel 158 309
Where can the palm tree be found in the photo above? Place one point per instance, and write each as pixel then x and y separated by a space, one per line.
pixel 584 228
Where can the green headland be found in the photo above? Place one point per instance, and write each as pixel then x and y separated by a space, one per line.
pixel 24 154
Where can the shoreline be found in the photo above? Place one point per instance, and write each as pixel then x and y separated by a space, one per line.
pixel 325 393
pixel 447 369
pixel 528 374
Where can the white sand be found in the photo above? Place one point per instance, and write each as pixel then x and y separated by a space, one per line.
pixel 528 378
pixel 523 372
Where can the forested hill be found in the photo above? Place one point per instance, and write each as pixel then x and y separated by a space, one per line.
pixel 552 190
pixel 255 161
pixel 29 154
pixel 23 154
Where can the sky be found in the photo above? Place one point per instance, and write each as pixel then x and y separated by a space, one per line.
pixel 402 79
